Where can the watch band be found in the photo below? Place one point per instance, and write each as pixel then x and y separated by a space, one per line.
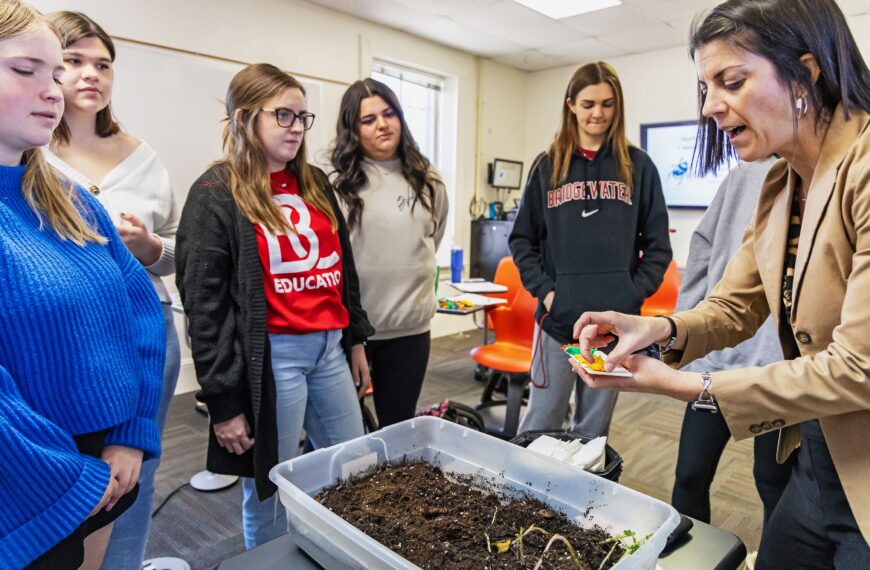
pixel 672 339
pixel 706 402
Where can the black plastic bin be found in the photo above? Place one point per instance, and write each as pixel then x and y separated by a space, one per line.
pixel 612 460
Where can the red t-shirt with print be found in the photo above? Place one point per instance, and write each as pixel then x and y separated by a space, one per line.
pixel 301 271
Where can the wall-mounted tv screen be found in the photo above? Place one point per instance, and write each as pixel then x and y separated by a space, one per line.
pixel 671 147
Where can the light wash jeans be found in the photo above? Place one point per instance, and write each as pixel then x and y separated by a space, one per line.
pixel 130 533
pixel 314 389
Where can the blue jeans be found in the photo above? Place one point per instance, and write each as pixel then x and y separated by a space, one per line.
pixel 130 533
pixel 313 389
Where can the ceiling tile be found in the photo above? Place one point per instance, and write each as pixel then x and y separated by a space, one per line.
pixel 454 34
pixel 445 7
pixel 667 10
pixel 609 20
pixel 590 49
pixel 518 24
pixel 385 12
pixel 683 26
pixel 531 60
pixel 652 37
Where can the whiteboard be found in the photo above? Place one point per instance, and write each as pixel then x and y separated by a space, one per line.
pixel 175 102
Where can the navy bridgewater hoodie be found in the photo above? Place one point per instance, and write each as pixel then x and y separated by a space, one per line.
pixel 584 238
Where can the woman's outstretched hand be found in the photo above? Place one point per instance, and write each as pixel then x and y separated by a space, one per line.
pixel 596 330
pixel 648 375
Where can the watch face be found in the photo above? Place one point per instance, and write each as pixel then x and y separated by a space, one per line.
pixel 705 406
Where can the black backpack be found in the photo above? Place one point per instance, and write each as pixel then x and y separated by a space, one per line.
pixel 456 413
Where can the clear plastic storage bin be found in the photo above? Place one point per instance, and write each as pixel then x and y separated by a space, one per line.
pixel 336 544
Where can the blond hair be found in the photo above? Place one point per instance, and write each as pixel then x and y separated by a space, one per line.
pixel 56 203
pixel 244 156
pixel 567 140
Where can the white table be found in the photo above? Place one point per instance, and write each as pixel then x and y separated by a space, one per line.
pixel 478 287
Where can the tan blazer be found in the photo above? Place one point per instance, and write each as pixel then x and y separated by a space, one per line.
pixel 830 320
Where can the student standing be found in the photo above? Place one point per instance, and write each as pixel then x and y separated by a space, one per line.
pixel 267 278
pixel 81 335
pixel 396 207
pixel 591 232
pixel 124 174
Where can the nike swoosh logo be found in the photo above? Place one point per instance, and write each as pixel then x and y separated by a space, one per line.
pixel 586 214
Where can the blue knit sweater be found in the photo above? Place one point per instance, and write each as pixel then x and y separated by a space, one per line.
pixel 81 349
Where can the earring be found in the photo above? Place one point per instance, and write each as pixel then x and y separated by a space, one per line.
pixel 801 106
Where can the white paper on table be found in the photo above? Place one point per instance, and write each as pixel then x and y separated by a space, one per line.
pixel 479 287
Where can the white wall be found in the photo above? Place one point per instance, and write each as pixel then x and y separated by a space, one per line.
pixel 502 121
pixel 659 86
pixel 334 49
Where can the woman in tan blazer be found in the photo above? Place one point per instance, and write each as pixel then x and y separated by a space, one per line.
pixel 771 83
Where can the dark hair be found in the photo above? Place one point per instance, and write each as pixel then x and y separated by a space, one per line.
pixel 347 154
pixel 782 31
pixel 74 26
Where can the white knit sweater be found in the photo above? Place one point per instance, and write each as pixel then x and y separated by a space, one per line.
pixel 138 185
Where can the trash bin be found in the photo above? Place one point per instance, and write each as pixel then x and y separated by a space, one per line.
pixel 612 460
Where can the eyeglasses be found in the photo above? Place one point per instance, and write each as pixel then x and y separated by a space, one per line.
pixel 287 117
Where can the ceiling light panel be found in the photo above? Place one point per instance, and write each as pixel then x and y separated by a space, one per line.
pixel 558 9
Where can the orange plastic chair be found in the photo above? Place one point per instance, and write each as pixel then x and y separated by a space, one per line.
pixel 508 275
pixel 664 301
pixel 510 357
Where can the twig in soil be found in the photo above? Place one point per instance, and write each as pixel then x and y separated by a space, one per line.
pixel 571 551
pixel 431 512
pixel 606 558
pixel 493 516
pixel 522 534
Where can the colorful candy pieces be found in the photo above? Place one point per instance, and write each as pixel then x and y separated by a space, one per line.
pixel 455 305
pixel 573 350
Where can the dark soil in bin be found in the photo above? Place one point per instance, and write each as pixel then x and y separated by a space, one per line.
pixel 434 522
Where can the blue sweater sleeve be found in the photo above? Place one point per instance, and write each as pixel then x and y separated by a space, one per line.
pixel 149 339
pixel 47 488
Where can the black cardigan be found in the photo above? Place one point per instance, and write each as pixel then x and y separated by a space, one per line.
pixel 220 280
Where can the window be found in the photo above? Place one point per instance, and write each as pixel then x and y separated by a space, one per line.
pixel 420 96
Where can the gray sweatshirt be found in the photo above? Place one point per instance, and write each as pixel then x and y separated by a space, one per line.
pixel 718 236
pixel 394 248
